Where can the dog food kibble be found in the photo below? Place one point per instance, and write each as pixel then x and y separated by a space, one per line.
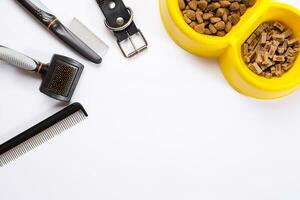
pixel 213 17
pixel 271 50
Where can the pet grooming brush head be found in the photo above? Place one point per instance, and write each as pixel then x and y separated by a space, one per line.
pixel 60 77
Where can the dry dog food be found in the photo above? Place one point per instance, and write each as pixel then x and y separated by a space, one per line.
pixel 271 50
pixel 213 17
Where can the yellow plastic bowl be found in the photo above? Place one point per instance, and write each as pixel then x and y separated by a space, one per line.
pixel 228 48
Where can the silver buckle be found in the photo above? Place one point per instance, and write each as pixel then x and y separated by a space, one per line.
pixel 136 50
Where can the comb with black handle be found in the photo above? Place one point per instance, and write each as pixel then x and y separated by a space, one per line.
pixel 41 133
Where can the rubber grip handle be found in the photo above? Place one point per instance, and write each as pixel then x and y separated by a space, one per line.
pixel 43 16
pixel 17 59
pixel 73 41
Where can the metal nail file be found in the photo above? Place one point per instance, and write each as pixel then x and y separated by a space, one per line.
pixel 43 14
pixel 90 38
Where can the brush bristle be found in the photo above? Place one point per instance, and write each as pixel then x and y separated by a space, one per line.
pixel 62 80
pixel 41 138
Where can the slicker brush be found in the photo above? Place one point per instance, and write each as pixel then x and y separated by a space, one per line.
pixel 59 77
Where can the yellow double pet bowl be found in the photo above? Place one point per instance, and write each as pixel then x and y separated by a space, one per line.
pixel 228 48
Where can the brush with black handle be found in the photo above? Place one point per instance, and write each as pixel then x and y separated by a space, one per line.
pixel 60 76
pixel 43 14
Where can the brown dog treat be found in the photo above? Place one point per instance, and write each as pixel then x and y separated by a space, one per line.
pixel 286 66
pixel 225 17
pixel 279 58
pixel 255 68
pixel 245 48
pixel 187 19
pixel 290 52
pixel 287 33
pixel 280 50
pixel 292 42
pixel 193 5
pixel 278 70
pixel 221 33
pixel 228 27
pixel 217 13
pixel 243 9
pixel 291 59
pixel 278 37
pixel 259 30
pixel 254 44
pixel 272 48
pixel 202 4
pixel 234 6
pixel 234 18
pixel 263 38
pixel 181 4
pixel 220 12
pixel 280 26
pixel 207 31
pixel 214 20
pixel 259 57
pixel 220 26
pixel 272 51
pixel 200 28
pixel 191 14
pixel 212 28
pixel 225 4
pixel 213 6
pixel 250 3
pixel 248 57
pixel 207 16
pixel 199 17
pixel 193 24
pixel 273 70
pixel 251 38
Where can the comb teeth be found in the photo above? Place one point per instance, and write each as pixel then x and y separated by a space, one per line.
pixel 41 138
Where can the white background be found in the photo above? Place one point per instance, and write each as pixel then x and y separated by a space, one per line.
pixel 164 125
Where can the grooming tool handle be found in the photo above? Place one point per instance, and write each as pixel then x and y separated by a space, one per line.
pixel 35 8
pixel 17 59
pixel 42 13
pixel 73 41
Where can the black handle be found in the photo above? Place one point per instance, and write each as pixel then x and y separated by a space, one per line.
pixel 73 41
pixel 41 15
pixel 63 33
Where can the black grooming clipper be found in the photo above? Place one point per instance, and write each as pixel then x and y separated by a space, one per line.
pixel 41 133
pixel 60 76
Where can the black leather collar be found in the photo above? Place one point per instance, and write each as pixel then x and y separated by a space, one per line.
pixel 119 19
